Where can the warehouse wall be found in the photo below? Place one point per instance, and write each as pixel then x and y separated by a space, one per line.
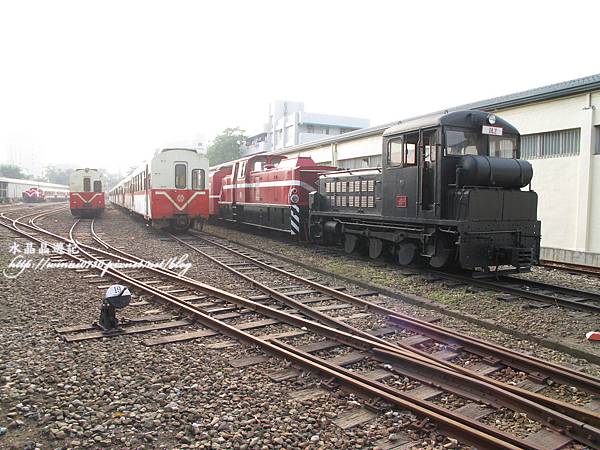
pixel 594 217
pixel 563 183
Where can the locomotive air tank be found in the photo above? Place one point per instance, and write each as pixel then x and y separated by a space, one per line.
pixel 498 172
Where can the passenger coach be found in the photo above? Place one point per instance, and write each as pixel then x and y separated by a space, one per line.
pixel 86 198
pixel 170 190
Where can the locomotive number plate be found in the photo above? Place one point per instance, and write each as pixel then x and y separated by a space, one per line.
pixel 494 131
pixel 401 201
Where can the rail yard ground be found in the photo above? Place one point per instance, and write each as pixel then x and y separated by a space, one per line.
pixel 120 393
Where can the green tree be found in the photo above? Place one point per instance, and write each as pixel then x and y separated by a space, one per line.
pixel 57 175
pixel 12 171
pixel 226 146
pixel 111 178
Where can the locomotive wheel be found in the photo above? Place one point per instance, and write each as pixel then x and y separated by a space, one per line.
pixel 441 258
pixel 350 243
pixel 375 248
pixel 443 253
pixel 407 253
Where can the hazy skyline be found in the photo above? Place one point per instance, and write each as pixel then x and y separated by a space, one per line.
pixel 104 84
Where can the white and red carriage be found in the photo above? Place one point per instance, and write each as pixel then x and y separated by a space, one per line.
pixel 86 197
pixel 269 191
pixel 170 190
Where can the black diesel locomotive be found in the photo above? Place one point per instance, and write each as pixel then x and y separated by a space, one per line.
pixel 449 191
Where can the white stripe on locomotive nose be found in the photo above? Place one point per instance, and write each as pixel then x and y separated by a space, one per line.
pixel 261 184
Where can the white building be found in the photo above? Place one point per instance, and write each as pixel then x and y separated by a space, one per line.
pixel 11 189
pixel 290 125
pixel 560 128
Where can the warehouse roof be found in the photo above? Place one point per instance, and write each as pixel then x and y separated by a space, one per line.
pixel 551 91
pixel 41 184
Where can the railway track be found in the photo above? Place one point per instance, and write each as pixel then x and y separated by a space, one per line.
pixel 576 299
pixel 577 269
pixel 482 397
pixel 538 292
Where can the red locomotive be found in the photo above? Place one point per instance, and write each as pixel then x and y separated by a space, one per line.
pixel 268 191
pixel 86 198
pixel 34 195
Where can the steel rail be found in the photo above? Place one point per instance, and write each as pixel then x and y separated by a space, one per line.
pixel 290 302
pixel 456 428
pixel 525 293
pixel 579 269
pixel 566 375
pixel 470 344
pixel 229 296
pixel 521 292
pixel 575 428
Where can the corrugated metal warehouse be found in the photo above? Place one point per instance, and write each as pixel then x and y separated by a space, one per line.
pixel 560 129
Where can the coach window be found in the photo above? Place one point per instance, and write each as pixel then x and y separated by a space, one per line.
pixel 395 152
pixel 180 176
pixel 86 185
pixel 97 186
pixel 198 179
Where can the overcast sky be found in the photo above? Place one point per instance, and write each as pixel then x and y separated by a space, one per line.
pixel 105 83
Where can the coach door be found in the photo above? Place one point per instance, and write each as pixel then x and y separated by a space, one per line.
pixel 239 182
pixel 427 173
pixel 400 176
pixel 147 190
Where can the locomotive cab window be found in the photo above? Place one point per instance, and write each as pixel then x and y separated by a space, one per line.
pixel 469 142
pixel 403 151
pixel 198 179
pixel 503 146
pixel 461 142
pixel 87 186
pixel 97 186
pixel 180 176
pixel 410 149
pixel 395 152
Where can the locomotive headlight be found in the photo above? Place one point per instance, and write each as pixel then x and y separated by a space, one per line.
pixel 294 198
pixel 492 119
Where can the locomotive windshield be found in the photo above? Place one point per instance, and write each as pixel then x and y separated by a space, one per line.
pixel 469 142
